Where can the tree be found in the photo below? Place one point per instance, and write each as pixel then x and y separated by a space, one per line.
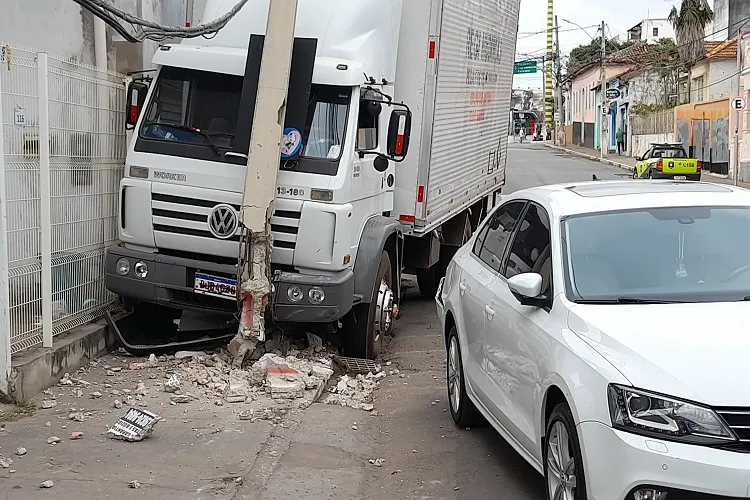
pixel 583 55
pixel 690 30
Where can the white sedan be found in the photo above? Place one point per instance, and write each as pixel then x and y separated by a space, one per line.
pixel 603 329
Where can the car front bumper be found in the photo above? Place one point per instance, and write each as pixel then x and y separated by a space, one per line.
pixel 619 463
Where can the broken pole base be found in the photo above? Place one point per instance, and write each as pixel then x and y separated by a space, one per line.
pixel 255 292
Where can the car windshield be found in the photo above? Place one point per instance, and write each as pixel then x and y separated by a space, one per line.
pixel 185 100
pixel 680 254
pixel 669 153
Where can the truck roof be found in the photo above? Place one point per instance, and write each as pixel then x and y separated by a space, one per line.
pixel 361 32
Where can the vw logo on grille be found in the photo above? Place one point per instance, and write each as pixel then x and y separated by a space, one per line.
pixel 223 221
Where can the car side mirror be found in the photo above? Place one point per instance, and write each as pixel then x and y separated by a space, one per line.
pixel 136 97
pixel 399 130
pixel 527 289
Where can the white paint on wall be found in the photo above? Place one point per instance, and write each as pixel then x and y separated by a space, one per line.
pixel 641 143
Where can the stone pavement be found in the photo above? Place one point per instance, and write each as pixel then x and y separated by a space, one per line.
pixel 628 162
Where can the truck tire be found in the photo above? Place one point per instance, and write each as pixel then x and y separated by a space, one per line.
pixel 367 324
pixel 428 280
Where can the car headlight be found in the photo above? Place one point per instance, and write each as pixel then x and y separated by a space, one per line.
pixel 649 414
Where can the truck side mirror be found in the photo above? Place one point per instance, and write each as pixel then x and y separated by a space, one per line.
pixel 136 97
pixel 399 129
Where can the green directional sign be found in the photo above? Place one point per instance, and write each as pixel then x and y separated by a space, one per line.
pixel 524 67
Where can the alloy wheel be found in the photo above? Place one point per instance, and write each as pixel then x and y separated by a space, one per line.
pixel 454 374
pixel 561 466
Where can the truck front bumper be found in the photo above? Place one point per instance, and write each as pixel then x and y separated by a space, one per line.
pixel 170 282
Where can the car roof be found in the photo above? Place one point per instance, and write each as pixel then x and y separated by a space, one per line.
pixel 602 196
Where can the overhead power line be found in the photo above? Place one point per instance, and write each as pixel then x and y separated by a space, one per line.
pixel 140 29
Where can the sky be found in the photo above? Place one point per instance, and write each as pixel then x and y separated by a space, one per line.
pixel 620 16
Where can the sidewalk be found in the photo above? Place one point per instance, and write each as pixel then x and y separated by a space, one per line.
pixel 628 162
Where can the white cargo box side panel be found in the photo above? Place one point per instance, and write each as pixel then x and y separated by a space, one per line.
pixel 470 131
pixel 415 86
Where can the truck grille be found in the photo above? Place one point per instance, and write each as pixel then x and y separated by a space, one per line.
pixel 175 217
pixel 738 420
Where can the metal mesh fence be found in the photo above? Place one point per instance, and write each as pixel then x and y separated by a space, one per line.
pixel 86 131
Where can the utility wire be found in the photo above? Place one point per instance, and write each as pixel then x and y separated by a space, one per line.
pixel 143 29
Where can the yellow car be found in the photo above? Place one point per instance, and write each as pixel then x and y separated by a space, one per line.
pixel 667 161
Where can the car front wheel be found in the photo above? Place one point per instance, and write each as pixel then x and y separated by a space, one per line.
pixel 563 462
pixel 463 411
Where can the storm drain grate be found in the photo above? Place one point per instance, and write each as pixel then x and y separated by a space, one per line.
pixel 356 365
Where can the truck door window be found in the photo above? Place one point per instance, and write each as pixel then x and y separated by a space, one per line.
pixel 185 99
pixel 367 124
pixel 325 126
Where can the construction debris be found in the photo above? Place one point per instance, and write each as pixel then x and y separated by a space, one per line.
pixel 53 440
pixel 46 484
pixel 21 451
pixel 48 404
pixel 134 485
pixel 135 425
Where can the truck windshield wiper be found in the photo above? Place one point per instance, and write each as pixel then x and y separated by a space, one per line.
pixel 628 300
pixel 190 129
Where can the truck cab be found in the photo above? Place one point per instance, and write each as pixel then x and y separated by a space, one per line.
pixel 181 196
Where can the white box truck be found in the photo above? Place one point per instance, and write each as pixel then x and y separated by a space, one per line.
pixel 398 124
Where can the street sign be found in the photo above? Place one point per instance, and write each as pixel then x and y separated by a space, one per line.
pixel 612 93
pixel 737 104
pixel 524 67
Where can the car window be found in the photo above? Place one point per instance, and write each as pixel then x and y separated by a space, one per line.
pixel 497 233
pixel 530 251
pixel 670 153
pixel 647 155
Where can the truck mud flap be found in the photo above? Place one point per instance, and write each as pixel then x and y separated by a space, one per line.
pixel 128 339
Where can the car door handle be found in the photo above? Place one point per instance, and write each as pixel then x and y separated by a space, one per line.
pixel 490 312
pixel 462 287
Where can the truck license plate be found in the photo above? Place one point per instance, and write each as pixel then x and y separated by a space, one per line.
pixel 215 286
pixel 680 177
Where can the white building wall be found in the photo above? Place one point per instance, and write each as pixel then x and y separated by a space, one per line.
pixel 721 82
pixel 64 28
pixel 663 29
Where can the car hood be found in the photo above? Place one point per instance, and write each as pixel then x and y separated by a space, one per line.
pixel 699 352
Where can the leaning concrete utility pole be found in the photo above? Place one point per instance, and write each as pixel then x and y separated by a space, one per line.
pixel 260 180
pixel 604 118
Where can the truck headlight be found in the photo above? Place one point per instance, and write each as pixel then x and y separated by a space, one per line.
pixel 658 416
pixel 294 293
pixel 316 295
pixel 140 269
pixel 123 266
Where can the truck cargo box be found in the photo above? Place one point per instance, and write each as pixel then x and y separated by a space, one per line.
pixel 454 68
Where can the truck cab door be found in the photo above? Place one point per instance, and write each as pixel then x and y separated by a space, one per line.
pixel 371 137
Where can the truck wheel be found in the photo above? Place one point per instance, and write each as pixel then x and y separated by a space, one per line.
pixel 367 324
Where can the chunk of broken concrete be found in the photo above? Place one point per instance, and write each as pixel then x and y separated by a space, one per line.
pixel 53 440
pixel 21 451
pixel 239 388
pixel 180 398
pixel 187 355
pixel 48 403
pixel 284 383
pixel 172 384
pixel 46 484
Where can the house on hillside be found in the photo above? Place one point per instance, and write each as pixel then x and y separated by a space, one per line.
pixel 651 31
pixel 585 95
pixel 714 76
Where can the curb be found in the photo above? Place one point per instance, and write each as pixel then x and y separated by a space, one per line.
pixel 617 164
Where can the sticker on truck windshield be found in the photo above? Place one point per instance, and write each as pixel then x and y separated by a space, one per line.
pixel 291 142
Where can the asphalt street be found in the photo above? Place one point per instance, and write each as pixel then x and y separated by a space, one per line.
pixel 425 455
pixel 407 448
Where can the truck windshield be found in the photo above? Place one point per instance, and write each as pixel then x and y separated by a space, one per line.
pixel 201 108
